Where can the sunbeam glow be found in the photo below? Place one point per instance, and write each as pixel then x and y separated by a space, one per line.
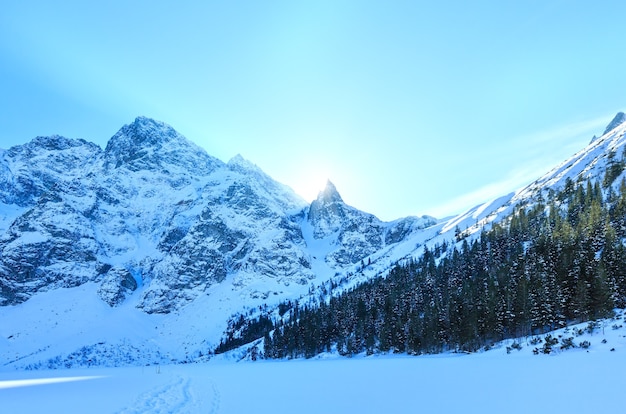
pixel 43 381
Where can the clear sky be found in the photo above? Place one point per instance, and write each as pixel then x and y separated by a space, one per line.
pixel 408 107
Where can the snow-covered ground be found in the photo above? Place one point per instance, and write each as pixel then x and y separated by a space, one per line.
pixel 576 380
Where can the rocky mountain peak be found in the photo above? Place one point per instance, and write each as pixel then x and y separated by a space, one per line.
pixel 329 194
pixel 27 171
pixel 147 144
pixel 57 143
pixel 145 132
pixel 619 119
pixel 327 212
pixel 138 139
pixel 240 164
pixel 52 143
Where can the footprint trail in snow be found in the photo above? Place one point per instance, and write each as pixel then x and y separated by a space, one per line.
pixel 175 397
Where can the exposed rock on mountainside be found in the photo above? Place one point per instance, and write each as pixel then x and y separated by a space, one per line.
pixel 153 215
pixel 357 234
pixel 618 120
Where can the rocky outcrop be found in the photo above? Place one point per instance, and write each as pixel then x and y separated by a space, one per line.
pixel 618 120
pixel 116 285
pixel 356 234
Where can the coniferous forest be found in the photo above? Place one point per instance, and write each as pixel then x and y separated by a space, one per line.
pixel 557 261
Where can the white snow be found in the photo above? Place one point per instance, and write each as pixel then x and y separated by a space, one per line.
pixel 8 213
pixel 575 380
pixel 571 381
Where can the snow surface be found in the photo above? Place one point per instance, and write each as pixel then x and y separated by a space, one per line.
pixel 8 213
pixel 570 381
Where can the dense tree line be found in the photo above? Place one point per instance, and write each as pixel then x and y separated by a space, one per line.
pixel 241 331
pixel 558 261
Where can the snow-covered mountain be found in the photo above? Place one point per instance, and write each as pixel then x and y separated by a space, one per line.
pixel 140 252
pixel 603 155
pixel 152 224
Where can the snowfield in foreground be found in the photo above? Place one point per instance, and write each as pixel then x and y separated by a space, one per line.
pixel 576 380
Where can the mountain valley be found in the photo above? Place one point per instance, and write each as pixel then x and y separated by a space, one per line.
pixel 147 251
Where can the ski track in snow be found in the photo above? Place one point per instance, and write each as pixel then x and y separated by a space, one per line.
pixel 215 403
pixel 175 397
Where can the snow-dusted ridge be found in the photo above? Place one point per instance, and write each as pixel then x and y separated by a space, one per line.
pixel 590 162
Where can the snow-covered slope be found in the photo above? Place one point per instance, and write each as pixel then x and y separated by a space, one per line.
pixel 575 380
pixel 591 163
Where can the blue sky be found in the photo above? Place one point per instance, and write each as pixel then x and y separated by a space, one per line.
pixel 409 107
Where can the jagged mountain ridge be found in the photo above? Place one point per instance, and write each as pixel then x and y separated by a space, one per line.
pixel 156 212
pixel 590 163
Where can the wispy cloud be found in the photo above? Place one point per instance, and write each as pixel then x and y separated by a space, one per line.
pixel 473 198
pixel 537 153
pixel 571 134
pixel 43 381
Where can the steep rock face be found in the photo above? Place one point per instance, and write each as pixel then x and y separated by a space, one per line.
pixel 195 262
pixel 50 241
pixel 355 234
pixel 247 228
pixel 28 171
pixel 117 284
pixel 150 145
pixel 328 213
pixel 52 245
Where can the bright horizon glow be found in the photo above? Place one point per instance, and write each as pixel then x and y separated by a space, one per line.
pixel 409 108
pixel 310 187
pixel 43 381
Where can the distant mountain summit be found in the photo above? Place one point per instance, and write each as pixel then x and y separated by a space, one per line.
pixel 147 144
pixel 618 120
pixel 357 234
pixel 329 194
pixel 30 170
